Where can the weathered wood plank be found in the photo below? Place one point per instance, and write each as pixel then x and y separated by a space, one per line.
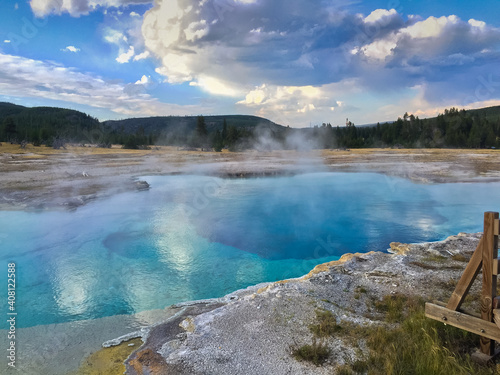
pixel 467 278
pixel 496 231
pixel 463 321
pixel 488 292
pixel 461 310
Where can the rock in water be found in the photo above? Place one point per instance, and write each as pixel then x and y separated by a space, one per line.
pixel 141 185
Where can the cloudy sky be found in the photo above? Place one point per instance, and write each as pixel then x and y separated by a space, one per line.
pixel 296 62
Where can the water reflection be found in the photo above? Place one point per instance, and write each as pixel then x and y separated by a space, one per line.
pixel 74 284
pixel 193 237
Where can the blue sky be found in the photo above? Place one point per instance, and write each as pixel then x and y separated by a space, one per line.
pixel 295 62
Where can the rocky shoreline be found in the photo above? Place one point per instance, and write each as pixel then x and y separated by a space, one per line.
pixel 251 331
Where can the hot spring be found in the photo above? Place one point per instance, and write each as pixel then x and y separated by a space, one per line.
pixel 196 237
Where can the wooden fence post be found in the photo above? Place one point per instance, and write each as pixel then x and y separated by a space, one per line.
pixel 489 289
pixel 488 325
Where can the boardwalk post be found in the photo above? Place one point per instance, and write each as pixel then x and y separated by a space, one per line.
pixel 488 293
pixel 488 324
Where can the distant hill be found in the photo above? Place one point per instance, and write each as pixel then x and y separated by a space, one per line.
pixel 489 113
pixel 478 128
pixel 168 124
pixel 44 123
pixel 9 109
pixel 42 114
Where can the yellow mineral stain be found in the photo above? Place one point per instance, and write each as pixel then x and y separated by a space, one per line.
pixel 108 361
pixel 326 266
pixel 319 268
pixel 399 248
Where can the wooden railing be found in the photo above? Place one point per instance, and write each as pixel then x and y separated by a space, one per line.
pixel 487 325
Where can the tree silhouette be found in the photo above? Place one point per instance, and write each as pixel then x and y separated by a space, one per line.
pixel 10 129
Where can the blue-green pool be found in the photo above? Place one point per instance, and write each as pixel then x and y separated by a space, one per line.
pixel 194 237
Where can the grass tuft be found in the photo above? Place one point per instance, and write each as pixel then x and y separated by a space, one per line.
pixel 394 306
pixel 460 258
pixel 326 324
pixel 317 352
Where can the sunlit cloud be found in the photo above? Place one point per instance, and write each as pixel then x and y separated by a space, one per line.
pixel 215 86
pixel 141 56
pixel 126 56
pixel 144 80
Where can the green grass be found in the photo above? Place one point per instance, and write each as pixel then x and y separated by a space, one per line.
pixel 394 306
pixel 416 346
pixel 325 325
pixel 317 352
pixel 361 289
pixel 435 258
pixel 407 343
pixel 460 258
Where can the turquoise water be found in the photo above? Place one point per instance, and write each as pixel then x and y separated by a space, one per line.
pixel 193 237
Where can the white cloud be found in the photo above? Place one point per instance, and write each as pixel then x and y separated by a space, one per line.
pixel 6 41
pixel 71 49
pixel 307 108
pixel 294 97
pixel 478 24
pixel 126 56
pixel 134 14
pixel 380 49
pixel 144 80
pixel 114 36
pixel 215 86
pixel 125 47
pixel 76 8
pixel 430 28
pixel 23 77
pixel 196 30
pixel 380 16
pixel 295 105
pixel 255 97
pixel 432 38
pixel 141 56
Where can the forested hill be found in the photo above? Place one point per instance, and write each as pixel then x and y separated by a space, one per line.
pixel 454 128
pixel 168 123
pixel 44 124
pixel 40 124
pixel 479 128
pixel 179 130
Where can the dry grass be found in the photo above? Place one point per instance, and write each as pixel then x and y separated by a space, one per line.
pixel 32 151
pixel 325 325
pixel 416 345
pixel 316 353
pixel 460 258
